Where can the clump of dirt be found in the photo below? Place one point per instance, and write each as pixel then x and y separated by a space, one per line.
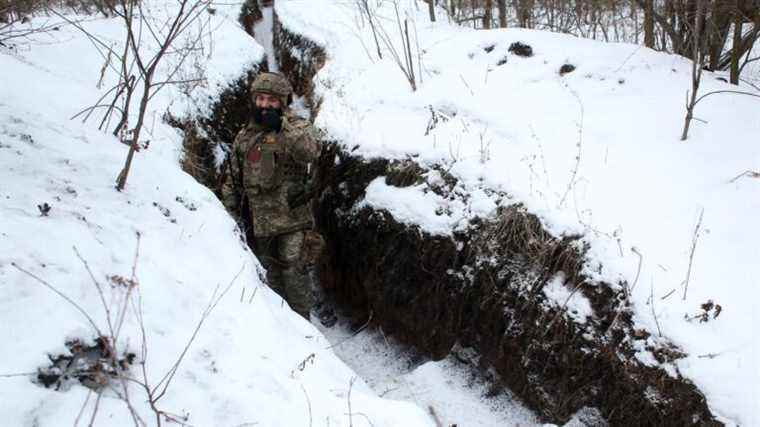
pixel 94 366
pixel 521 49
pixel 566 68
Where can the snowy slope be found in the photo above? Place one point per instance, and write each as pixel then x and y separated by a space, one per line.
pixel 253 361
pixel 595 151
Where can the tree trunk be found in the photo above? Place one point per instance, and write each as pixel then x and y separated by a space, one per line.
pixel 696 67
pixel 524 8
pixel 736 45
pixel 717 30
pixel 431 9
pixel 121 181
pixel 487 14
pixel 649 24
pixel 502 5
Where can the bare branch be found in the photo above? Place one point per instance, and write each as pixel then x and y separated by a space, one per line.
pixel 215 298
pixel 60 294
pixel 694 240
pixel 98 288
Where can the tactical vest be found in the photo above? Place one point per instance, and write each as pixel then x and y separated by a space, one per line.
pixel 269 165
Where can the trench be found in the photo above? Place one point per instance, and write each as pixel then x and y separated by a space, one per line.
pixel 451 390
pixel 464 312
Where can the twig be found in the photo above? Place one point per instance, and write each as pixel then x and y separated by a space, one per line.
pixel 667 295
pixel 98 288
pixel 365 417
pixel 388 391
pixel 361 328
pixel 90 108
pixel 308 402
pixel 466 85
pixel 579 144
pixel 737 92
pixel 95 410
pixel 22 374
pixel 628 58
pixel 638 269
pixel 694 240
pixel 60 294
pixel 747 173
pixel 433 414
pixel 563 309
pixel 132 284
pixel 372 26
pixel 627 291
pixel 302 365
pixel 350 387
pixel 709 355
pixel 169 376
pixel 654 314
pixel 84 406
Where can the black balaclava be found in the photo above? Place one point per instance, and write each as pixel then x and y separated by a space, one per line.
pixel 269 118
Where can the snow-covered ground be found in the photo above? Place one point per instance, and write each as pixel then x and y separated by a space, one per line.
pixel 452 388
pixel 595 151
pixel 253 361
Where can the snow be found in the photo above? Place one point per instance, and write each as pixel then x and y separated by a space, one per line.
pixel 253 361
pixel 262 31
pixel 450 386
pixel 409 205
pixel 576 305
pixel 595 152
pixel 419 206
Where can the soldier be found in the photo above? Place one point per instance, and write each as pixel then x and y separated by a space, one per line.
pixel 270 171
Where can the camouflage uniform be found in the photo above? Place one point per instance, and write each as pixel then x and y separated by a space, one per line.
pixel 268 170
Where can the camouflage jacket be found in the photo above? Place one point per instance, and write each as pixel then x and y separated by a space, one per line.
pixel 265 169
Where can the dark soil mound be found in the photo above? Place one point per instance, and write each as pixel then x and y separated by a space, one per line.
pixel 521 49
pixel 566 68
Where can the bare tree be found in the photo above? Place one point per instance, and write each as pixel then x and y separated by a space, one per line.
pixel 134 19
pixel 502 5
pixel 649 23
pixel 431 9
pixel 16 22
pixel 487 14
pixel 736 43
pixel 696 68
pixel 403 57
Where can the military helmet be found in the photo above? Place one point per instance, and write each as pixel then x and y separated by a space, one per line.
pixel 273 84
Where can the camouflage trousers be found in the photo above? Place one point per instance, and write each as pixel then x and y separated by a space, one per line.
pixel 288 268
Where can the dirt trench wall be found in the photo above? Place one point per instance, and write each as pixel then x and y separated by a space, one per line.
pixel 483 289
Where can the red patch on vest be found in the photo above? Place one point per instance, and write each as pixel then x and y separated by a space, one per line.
pixel 254 155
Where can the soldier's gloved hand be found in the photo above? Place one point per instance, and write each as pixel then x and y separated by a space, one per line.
pixel 298 195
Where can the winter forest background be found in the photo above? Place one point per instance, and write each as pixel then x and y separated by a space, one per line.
pixel 536 213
